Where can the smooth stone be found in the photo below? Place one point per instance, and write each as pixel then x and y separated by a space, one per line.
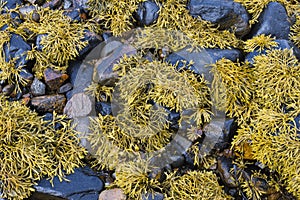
pixel 273 21
pixel 155 196
pixel 38 88
pixel 227 14
pixel 147 13
pixel 38 44
pixel 93 41
pixel 80 105
pixel 83 184
pixel 65 88
pixel 11 4
pixel 112 194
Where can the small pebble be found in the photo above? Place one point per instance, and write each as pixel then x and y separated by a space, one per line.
pixel 8 89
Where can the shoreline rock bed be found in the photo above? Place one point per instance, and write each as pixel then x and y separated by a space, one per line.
pixel 170 99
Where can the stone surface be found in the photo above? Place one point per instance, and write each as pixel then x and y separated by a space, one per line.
pixel 112 194
pixel 26 75
pixel 38 2
pixel 92 39
pixel 65 88
pixel 38 88
pixel 231 54
pixel 54 79
pixel 24 10
pixel 49 103
pixel 103 108
pixel 74 14
pixel 53 4
pixel 8 89
pixel 82 126
pixel 155 196
pixel 83 185
pixel 147 13
pixel 11 4
pixel 224 167
pixel 281 44
pixel 80 105
pixel 227 14
pixel 104 67
pixel 273 21
pixel 16 49
pixel 38 44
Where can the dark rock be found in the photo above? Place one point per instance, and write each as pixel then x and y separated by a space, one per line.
pixel 231 54
pixel 93 40
pixel 229 130
pixel 38 88
pixel 82 4
pixel 36 17
pixel 8 89
pixel 53 4
pixel 155 196
pixel 16 49
pixel 65 88
pixel 224 167
pixel 49 103
pixel 103 108
pixel 54 79
pixel 147 13
pixel 227 14
pixel 106 35
pixel 24 10
pixel 39 46
pixel 26 75
pixel 74 14
pixel 67 4
pixel 273 21
pixel 84 185
pixel 105 74
pixel 281 44
pixel 173 118
pixel 37 2
pixel 11 4
pixel 80 105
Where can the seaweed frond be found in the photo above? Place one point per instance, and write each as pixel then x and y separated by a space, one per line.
pixel 260 43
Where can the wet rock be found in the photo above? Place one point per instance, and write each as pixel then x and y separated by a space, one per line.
pixel 11 4
pixel 147 13
pixel 53 4
pixel 103 108
pixel 93 40
pixel 80 105
pixel 74 14
pixel 155 196
pixel 173 118
pixel 229 130
pixel 231 54
pixel 67 4
pixel 104 67
pixel 36 17
pixel 224 167
pixel 16 49
pixel 82 4
pixel 37 2
pixel 273 21
pixel 38 88
pixel 110 47
pixel 112 194
pixel 39 46
pixel 227 14
pixel 54 79
pixel 83 185
pixel 65 88
pixel 8 89
pixel 281 44
pixel 24 10
pixel 26 75
pixel 49 103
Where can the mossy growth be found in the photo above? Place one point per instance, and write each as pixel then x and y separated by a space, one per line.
pixel 194 185
pixel 32 148
pixel 61 40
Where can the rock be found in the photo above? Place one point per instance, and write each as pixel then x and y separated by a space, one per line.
pixel 11 4
pixel 24 10
pixel 74 14
pixel 82 126
pixel 38 44
pixel 38 88
pixel 93 40
pixel 273 21
pixel 84 184
pixel 229 130
pixel 37 2
pixel 8 89
pixel 227 14
pixel 49 103
pixel 26 75
pixel 16 49
pixel 173 118
pixel 147 12
pixel 112 194
pixel 65 88
pixel 106 35
pixel 80 105
pixel 53 4
pixel 36 16
pixel 82 4
pixel 281 44
pixel 224 167
pixel 104 67
pixel 67 4
pixel 231 54
pixel 109 48
pixel 103 108
pixel 155 196
pixel 54 79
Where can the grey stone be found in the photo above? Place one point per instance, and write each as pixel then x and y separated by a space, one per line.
pixel 112 194
pixel 80 105
pixel 153 196
pixel 227 14
pixel 147 12
pixel 65 88
pixel 83 184
pixel 11 4
pixel 38 88
pixel 273 21
pixel 24 10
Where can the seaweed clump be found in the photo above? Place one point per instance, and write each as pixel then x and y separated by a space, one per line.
pixel 32 148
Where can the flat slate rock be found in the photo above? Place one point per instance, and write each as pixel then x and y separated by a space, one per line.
pixel 227 14
pixel 84 184
pixel 273 21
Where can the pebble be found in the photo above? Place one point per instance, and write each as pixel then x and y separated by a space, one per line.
pixel 8 89
pixel 112 194
pixel 49 103
pixel 38 88
pixel 65 88
pixel 147 13
pixel 54 79
pixel 80 105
